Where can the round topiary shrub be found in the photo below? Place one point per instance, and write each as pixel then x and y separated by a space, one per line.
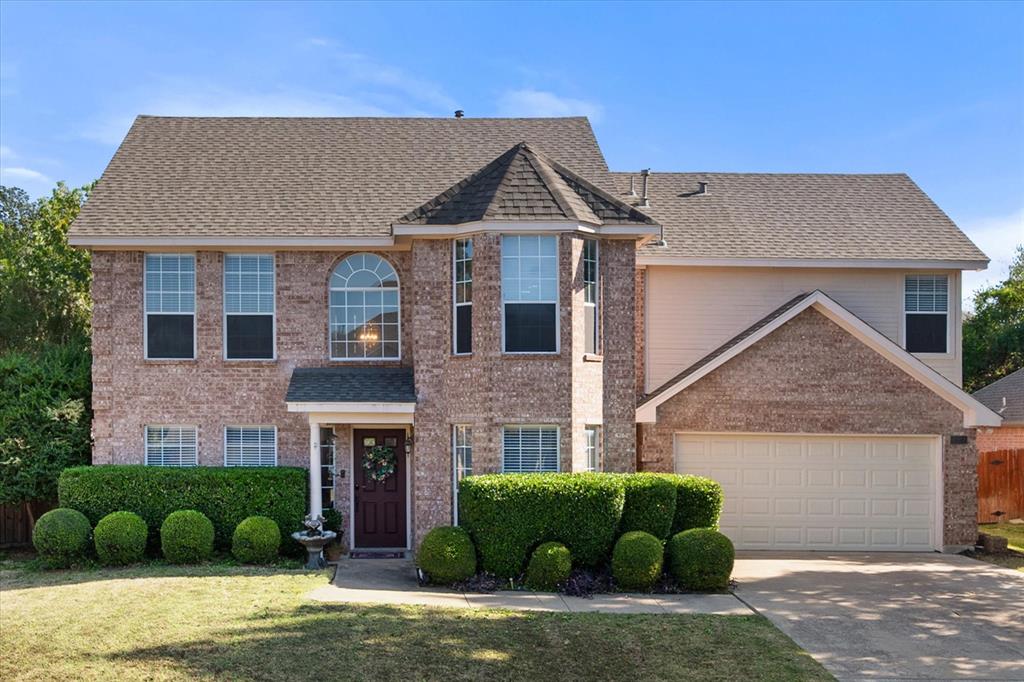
pixel 550 565
pixel 637 560
pixel 186 537
pixel 120 538
pixel 61 536
pixel 256 540
pixel 700 559
pixel 447 555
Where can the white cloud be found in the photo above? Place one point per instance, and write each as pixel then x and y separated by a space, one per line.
pixel 998 237
pixel 529 102
pixel 20 174
pixel 6 152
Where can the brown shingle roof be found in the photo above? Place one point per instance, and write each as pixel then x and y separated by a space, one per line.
pixel 524 185
pixel 322 177
pixel 760 215
pixel 1011 389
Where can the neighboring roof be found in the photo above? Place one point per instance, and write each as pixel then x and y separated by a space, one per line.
pixel 525 185
pixel 1005 397
pixel 975 413
pixel 351 385
pixel 799 216
pixel 304 177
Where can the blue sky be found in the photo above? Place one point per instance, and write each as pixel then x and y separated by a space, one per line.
pixel 934 90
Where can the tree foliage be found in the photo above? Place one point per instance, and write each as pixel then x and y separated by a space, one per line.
pixel 993 335
pixel 44 282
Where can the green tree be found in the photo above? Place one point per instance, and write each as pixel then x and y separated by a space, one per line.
pixel 994 333
pixel 44 282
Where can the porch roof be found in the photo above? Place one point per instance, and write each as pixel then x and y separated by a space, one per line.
pixel 351 385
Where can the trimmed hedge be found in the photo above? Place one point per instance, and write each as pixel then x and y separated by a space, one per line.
pixel 186 537
pixel 509 514
pixel 650 504
pixel 226 496
pixel 256 540
pixel 120 538
pixel 550 565
pixel 700 559
pixel 447 555
pixel 698 502
pixel 637 560
pixel 61 536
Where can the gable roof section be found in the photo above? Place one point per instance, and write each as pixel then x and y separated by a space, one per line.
pixel 768 219
pixel 525 185
pixel 303 178
pixel 1005 397
pixel 975 413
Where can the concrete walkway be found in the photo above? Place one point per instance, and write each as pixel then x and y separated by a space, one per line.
pixel 393 581
pixel 892 616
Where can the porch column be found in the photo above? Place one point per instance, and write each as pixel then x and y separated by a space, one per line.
pixel 316 504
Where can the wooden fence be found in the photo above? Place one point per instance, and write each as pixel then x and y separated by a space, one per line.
pixel 16 525
pixel 1000 485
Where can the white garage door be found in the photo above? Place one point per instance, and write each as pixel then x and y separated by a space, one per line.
pixel 820 492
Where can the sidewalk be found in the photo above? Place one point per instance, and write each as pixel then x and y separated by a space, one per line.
pixel 393 581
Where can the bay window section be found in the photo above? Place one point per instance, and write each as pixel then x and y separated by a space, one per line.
pixel 249 307
pixel 170 306
pixel 529 288
pixel 592 448
pixel 926 313
pixel 462 462
pixel 591 291
pixel 462 280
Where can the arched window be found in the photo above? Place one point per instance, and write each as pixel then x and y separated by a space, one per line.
pixel 364 309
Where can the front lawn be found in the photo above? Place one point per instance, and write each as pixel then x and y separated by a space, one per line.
pixel 163 623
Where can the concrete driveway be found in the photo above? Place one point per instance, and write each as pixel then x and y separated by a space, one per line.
pixel 892 616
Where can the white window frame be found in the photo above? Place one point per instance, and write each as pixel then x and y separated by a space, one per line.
pixel 521 427
pixel 597 448
pixel 950 288
pixel 257 427
pixel 146 313
pixel 596 303
pixel 224 307
pixel 458 473
pixel 332 448
pixel 558 293
pixel 182 427
pixel 398 291
pixel 456 304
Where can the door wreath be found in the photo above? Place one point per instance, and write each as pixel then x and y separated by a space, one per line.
pixel 379 462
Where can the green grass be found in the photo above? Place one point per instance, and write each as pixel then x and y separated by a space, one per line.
pixel 160 622
pixel 1014 532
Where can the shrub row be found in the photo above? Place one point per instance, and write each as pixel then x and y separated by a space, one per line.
pixel 226 496
pixel 508 515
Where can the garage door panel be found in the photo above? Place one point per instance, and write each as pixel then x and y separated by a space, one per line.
pixel 819 492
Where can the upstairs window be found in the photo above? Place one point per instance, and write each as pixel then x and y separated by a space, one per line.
pixel 590 295
pixel 170 301
pixel 529 449
pixel 171 446
pixel 529 289
pixel 926 306
pixel 364 309
pixel 249 307
pixel 250 446
pixel 462 281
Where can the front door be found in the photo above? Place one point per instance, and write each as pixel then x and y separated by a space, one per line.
pixel 379 505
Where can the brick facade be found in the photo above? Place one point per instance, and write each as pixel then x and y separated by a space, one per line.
pixel 1002 438
pixel 811 376
pixel 484 390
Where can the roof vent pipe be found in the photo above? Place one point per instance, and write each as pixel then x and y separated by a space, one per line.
pixel 644 175
pixel 459 113
pixel 702 188
pixel 632 186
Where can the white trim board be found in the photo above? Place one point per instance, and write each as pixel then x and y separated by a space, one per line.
pixel 975 413
pixel 900 263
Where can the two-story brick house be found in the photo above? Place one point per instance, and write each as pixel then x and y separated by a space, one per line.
pixel 483 295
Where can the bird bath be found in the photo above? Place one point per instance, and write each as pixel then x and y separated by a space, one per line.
pixel 314 539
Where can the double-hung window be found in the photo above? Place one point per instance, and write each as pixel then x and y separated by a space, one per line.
pixel 249 306
pixel 592 448
pixel 591 291
pixel 529 449
pixel 250 446
pixel 170 301
pixel 926 313
pixel 529 289
pixel 171 446
pixel 462 462
pixel 462 280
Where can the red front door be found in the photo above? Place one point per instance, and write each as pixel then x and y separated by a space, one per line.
pixel 379 505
